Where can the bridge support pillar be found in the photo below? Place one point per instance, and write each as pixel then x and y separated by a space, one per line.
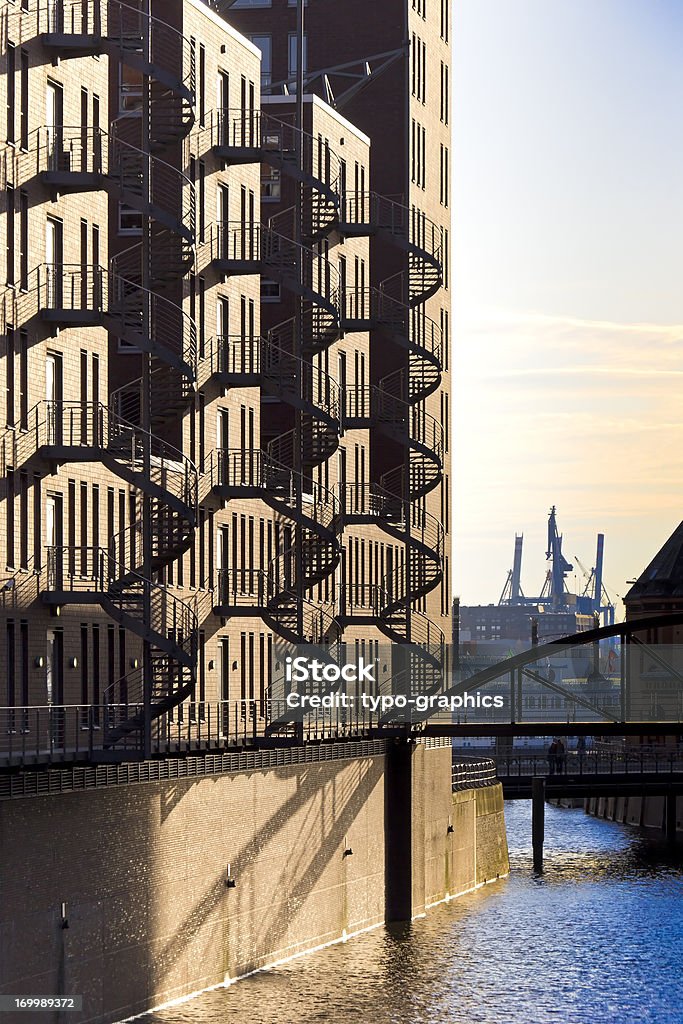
pixel 670 816
pixel 399 832
pixel 537 821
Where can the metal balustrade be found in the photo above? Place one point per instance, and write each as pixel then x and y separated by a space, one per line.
pixel 473 774
pixel 62 733
pixel 590 763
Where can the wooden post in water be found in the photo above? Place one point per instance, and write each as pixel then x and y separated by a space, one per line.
pixel 670 815
pixel 537 821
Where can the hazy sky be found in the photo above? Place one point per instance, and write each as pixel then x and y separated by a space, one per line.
pixel 568 225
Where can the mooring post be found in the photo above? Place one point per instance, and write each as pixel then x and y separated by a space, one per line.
pixel 670 816
pixel 537 821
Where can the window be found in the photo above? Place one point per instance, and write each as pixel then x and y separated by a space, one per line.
pixel 23 519
pixel 252 3
pixel 445 92
pixel 202 84
pixel 444 175
pixel 202 200
pixel 10 234
pixel 293 56
pixel 270 290
pixel 418 153
pixel 130 90
pixel 419 69
pixel 271 188
pixel 130 220
pixel 23 379
pixel 24 240
pixel 11 669
pixel 23 113
pixel 265 45
pixel 9 519
pixel 11 87
pixel 445 337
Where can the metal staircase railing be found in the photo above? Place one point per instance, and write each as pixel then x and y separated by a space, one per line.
pixel 410 425
pixel 117 300
pixel 368 213
pixel 265 591
pixel 78 27
pixel 377 309
pixel 76 158
pixel 247 136
pixel 241 474
pixel 78 294
pixel 238 472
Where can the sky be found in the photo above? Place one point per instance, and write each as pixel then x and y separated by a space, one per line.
pixel 568 304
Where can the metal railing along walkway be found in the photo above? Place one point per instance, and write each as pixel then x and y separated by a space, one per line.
pixel 473 773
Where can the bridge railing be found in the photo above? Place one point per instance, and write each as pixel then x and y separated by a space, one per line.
pixel 590 763
pixel 56 733
pixel 474 773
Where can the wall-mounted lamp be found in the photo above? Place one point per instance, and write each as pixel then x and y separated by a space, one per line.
pixel 222 47
pixel 234 665
pixel 39 661
pixel 55 610
pixel 450 829
pixel 348 852
pixel 341 141
pixel 212 665
pixel 229 880
pixel 134 663
pixel 64 923
pixel 73 662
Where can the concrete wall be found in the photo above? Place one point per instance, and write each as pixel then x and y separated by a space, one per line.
pixel 648 811
pixel 142 871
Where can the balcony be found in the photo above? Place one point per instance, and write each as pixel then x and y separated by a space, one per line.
pixel 68 159
pixel 71 295
pixel 232 361
pixel 232 248
pixel 72 26
pixel 235 135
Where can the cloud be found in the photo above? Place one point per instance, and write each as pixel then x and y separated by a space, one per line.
pixel 585 414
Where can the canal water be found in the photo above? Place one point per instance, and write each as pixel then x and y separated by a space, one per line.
pixel 597 939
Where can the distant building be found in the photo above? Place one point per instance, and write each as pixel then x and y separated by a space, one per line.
pixel 655 693
pixel 498 627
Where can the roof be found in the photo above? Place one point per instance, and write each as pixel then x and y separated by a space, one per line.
pixel 664 575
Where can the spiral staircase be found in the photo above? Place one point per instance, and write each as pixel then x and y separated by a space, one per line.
pixel 240 137
pixel 115 298
pixel 395 408
pixel 285 370
pixel 367 214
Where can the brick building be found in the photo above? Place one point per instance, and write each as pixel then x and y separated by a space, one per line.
pixel 272 402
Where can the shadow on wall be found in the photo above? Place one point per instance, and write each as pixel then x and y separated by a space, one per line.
pixel 278 860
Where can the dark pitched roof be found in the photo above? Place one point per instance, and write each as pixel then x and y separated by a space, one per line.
pixel 664 575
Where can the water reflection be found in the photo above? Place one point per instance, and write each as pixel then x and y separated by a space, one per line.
pixel 595 940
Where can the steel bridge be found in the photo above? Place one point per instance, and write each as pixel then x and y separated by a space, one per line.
pixel 614 680
pixel 607 681
pixel 603 773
